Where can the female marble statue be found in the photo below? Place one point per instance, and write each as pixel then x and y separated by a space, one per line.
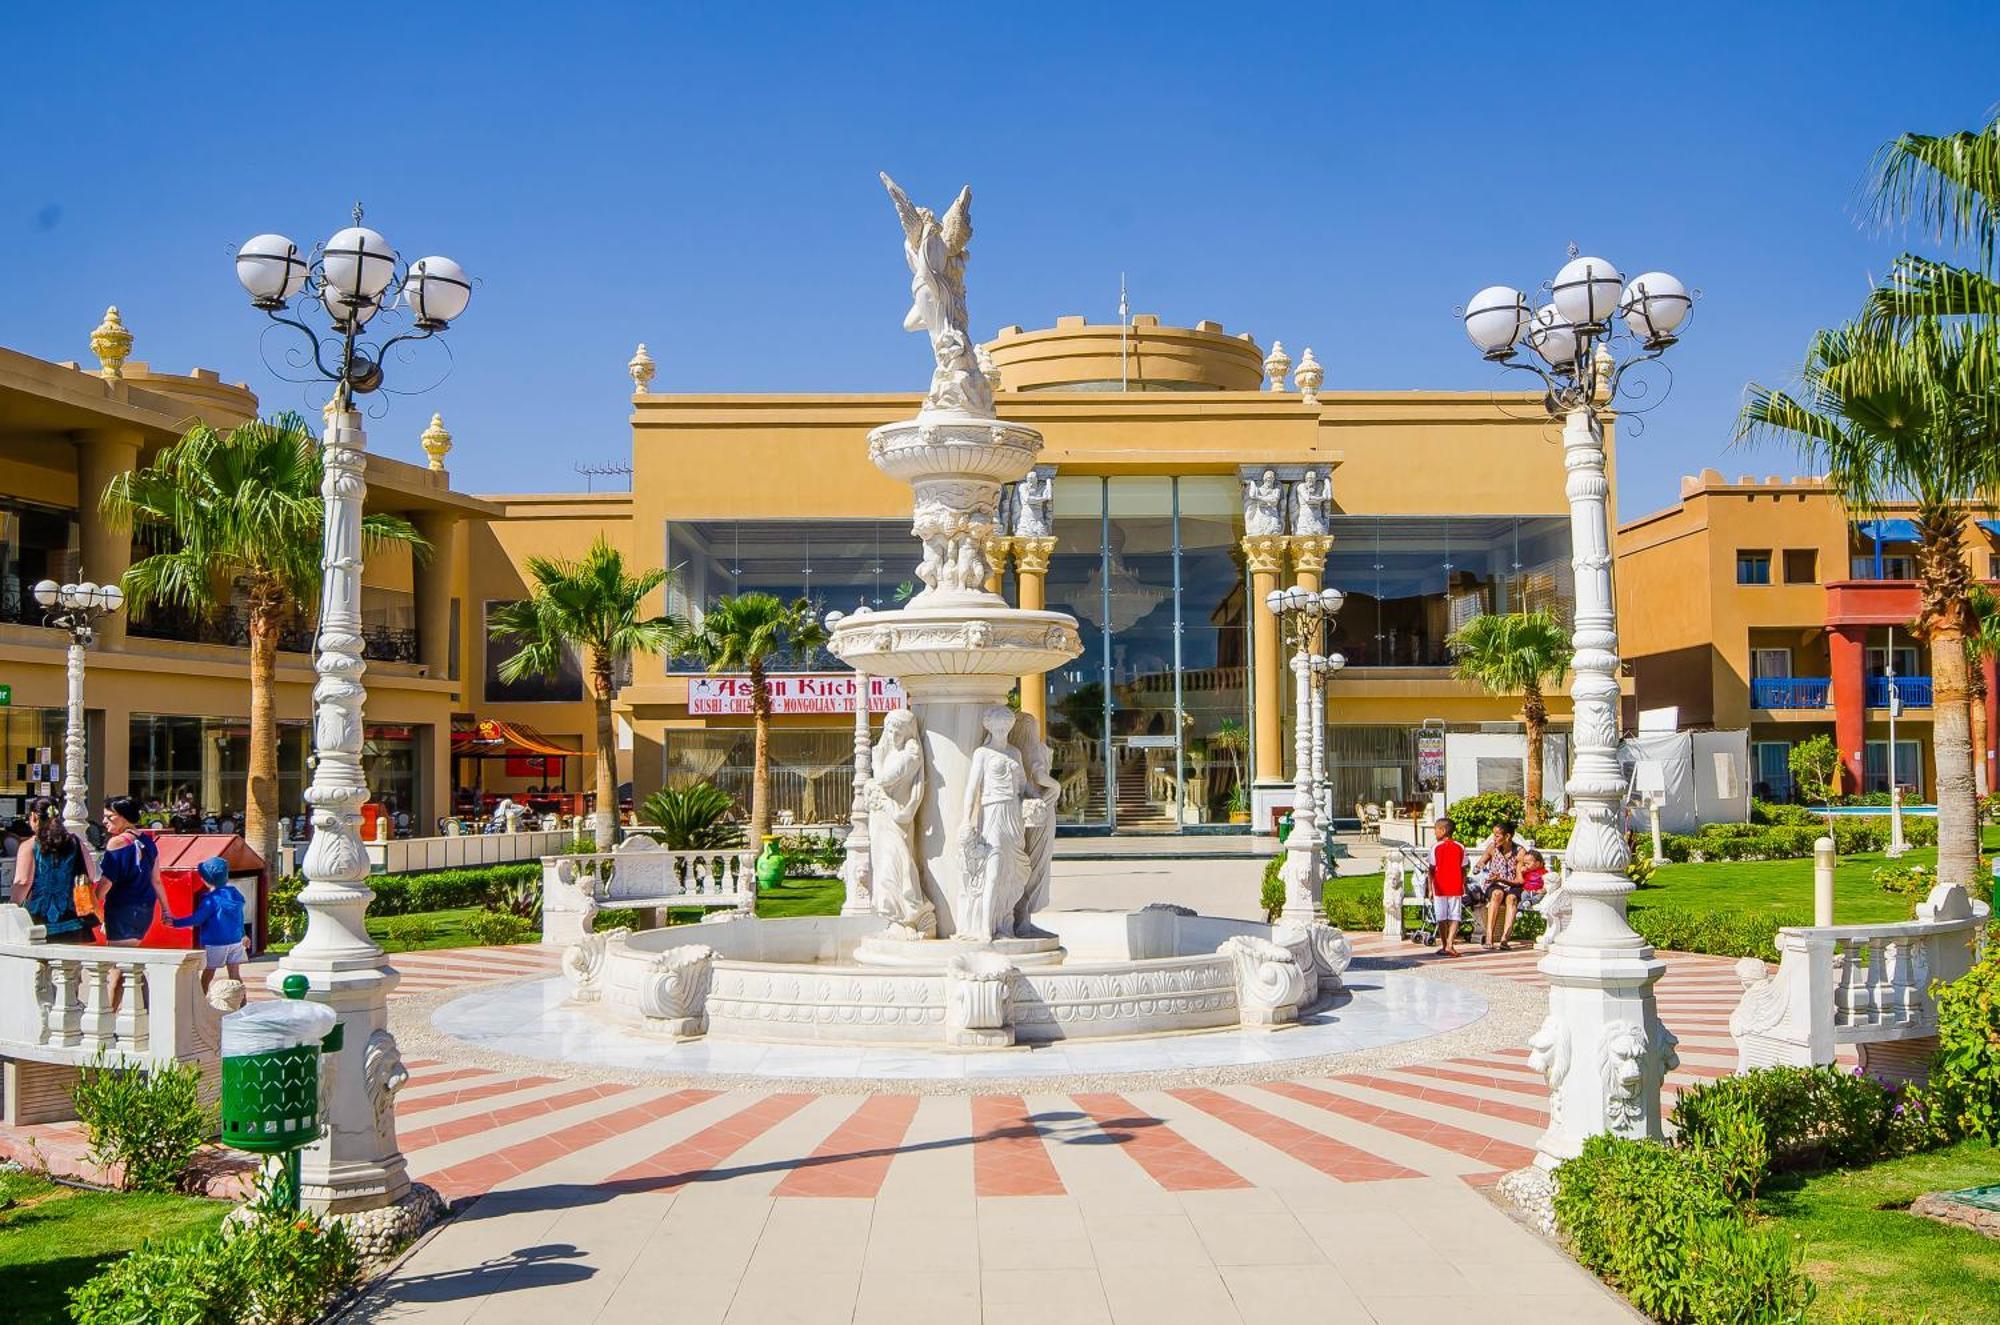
pixel 1039 818
pixel 894 793
pixel 934 247
pixel 993 852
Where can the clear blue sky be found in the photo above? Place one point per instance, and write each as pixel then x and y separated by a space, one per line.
pixel 704 180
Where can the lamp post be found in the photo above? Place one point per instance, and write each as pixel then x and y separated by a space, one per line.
pixel 348 282
pixel 1301 612
pixel 1602 1047
pixel 76 608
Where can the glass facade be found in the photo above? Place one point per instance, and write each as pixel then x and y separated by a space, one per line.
pixel 177 760
pixel 1150 725
pixel 1412 580
pixel 838 564
pixel 812 768
pixel 31 751
pixel 565 685
pixel 36 543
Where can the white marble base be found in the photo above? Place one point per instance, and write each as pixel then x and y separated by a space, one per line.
pixel 533 1019
pixel 933 954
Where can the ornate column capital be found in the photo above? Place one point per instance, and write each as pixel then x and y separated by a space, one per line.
pixel 997 546
pixel 112 344
pixel 1309 552
pixel 1031 555
pixel 1265 553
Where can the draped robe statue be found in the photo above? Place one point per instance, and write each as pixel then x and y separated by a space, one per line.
pixel 993 849
pixel 896 889
pixel 1039 819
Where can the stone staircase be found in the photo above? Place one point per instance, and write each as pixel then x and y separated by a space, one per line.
pixel 1137 813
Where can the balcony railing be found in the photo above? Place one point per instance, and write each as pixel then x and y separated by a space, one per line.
pixel 232 628
pixel 1915 691
pixel 1790 692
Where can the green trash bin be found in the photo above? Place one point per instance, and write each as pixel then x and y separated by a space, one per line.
pixel 270 1075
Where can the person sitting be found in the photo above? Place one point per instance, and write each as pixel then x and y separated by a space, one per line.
pixel 47 868
pixel 217 921
pixel 1499 868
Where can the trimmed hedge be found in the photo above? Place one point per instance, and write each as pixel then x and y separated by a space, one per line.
pixel 1717 933
pixel 1790 841
pixel 406 894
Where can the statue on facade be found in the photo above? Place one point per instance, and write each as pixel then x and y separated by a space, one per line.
pixel 993 848
pixel 1312 500
pixel 1033 498
pixel 1038 817
pixel 935 249
pixel 1264 505
pixel 896 888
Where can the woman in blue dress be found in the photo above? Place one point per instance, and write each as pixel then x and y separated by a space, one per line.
pixel 46 871
pixel 130 870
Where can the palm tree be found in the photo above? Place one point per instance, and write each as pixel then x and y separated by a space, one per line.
pixel 1890 418
pixel 239 514
pixel 1949 188
pixel 1516 651
pixel 592 605
pixel 744 634
pixel 700 817
pixel 1981 644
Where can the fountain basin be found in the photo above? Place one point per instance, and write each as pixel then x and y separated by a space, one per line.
pixel 800 980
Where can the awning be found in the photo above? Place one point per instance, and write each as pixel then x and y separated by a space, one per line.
pixel 1887 531
pixel 491 738
pixel 1990 526
pixel 187 850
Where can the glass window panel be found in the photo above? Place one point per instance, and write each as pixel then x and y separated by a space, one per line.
pixel 565 685
pixel 1138 609
pixel 1215 642
pixel 812 768
pixel 837 564
pixel 1076 691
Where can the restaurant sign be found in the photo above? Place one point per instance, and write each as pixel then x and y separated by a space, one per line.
pixel 714 696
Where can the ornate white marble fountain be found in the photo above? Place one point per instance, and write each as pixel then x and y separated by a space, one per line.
pixel 946 939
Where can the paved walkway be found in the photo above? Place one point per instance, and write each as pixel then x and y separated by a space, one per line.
pixel 1349 1198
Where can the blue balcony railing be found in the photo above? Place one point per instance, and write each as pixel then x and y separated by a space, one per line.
pixel 1790 692
pixel 1915 690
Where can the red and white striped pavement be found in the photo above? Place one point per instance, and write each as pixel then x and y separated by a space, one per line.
pixel 467 1130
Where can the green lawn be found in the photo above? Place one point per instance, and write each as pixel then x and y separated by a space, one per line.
pixel 1860 1241
pixel 53 1238
pixel 417 932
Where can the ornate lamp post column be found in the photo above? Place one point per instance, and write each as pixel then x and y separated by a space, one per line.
pixel 1602 1047
pixel 1301 611
pixel 354 277
pixel 856 867
pixel 76 608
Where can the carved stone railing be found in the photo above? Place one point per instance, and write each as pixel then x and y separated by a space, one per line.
pixel 1868 986
pixel 640 874
pixel 56 1015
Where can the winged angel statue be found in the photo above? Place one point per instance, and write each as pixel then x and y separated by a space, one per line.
pixel 935 250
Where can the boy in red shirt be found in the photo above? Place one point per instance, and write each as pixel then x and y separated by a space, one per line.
pixel 1447 885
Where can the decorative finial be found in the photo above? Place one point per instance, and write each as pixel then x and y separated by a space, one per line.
pixel 357 213
pixel 641 367
pixel 111 343
pixel 987 368
pixel 1309 377
pixel 1276 364
pixel 437 442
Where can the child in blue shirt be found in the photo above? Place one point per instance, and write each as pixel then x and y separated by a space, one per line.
pixel 217 920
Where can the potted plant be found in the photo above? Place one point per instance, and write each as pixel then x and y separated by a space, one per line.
pixel 1233 739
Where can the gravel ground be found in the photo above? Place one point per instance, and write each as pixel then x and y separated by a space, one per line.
pixel 1513 1012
